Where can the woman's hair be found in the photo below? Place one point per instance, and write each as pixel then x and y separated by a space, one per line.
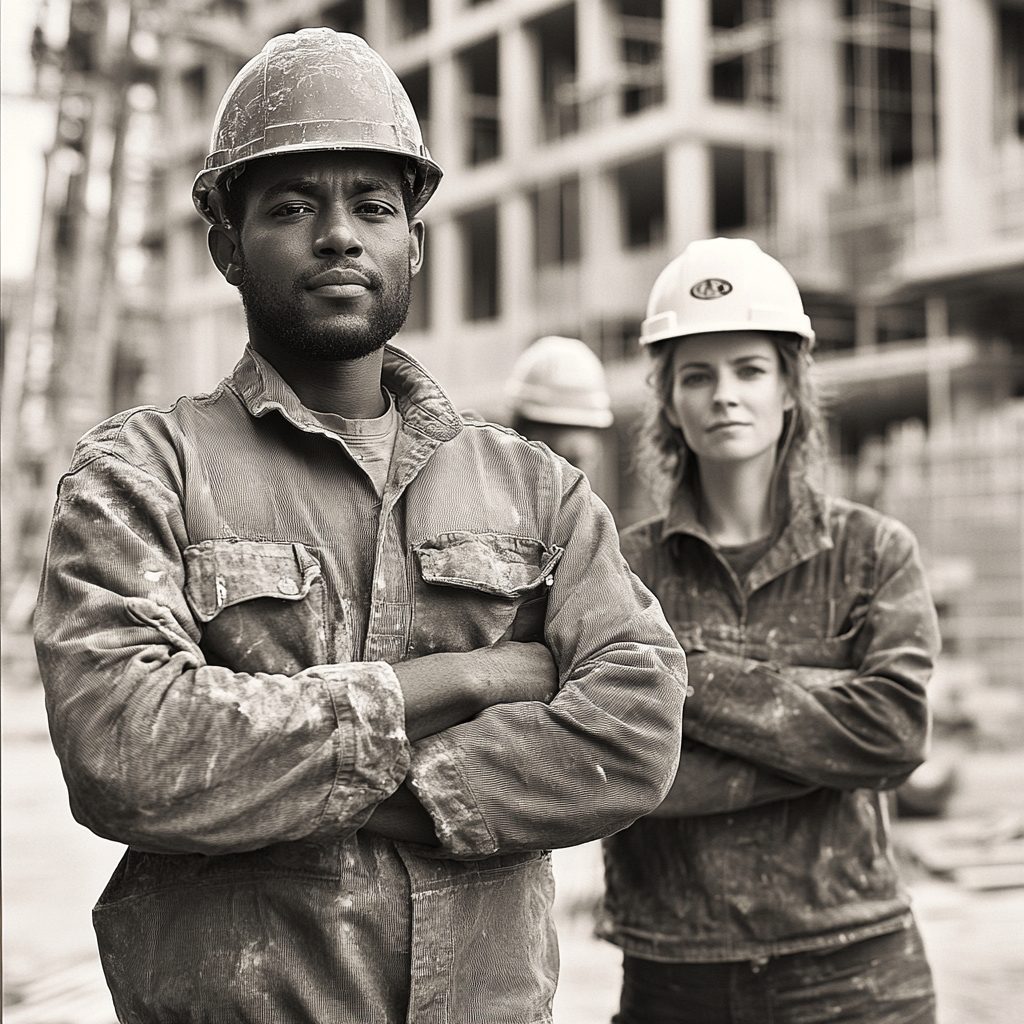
pixel 665 459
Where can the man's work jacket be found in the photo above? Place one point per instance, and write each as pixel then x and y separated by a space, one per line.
pixel 217 659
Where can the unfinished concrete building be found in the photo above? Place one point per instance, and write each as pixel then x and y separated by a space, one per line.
pixel 876 147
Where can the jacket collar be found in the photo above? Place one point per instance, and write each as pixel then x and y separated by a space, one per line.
pixel 805 534
pixel 421 402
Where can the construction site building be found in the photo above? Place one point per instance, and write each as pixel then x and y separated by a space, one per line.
pixel 876 147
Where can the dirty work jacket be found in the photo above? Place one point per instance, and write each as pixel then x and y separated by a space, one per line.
pixel 808 699
pixel 213 710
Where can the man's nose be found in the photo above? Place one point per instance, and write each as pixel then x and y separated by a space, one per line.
pixel 337 234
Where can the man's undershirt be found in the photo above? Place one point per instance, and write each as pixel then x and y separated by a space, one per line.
pixel 371 442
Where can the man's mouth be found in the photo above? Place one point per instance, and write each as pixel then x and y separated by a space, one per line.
pixel 340 284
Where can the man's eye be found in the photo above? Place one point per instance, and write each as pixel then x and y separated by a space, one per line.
pixel 292 209
pixel 374 209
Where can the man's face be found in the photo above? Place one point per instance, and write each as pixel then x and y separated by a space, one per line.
pixel 326 254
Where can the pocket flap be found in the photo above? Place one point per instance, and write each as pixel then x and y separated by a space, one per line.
pixel 494 563
pixel 220 573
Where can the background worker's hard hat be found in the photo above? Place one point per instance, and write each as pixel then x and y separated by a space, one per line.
pixel 560 380
pixel 314 90
pixel 724 284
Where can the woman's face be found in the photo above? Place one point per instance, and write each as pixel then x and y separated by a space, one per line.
pixel 728 395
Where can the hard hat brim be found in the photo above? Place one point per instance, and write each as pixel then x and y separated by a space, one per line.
pixel 428 173
pixel 721 327
pixel 596 418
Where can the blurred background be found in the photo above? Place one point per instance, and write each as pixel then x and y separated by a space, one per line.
pixel 875 147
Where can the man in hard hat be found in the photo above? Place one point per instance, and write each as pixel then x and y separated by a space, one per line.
pixel 559 396
pixel 289 630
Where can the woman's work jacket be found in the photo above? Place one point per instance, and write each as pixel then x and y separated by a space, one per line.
pixel 806 702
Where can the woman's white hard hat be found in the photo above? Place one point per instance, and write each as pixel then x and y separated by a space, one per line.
pixel 724 284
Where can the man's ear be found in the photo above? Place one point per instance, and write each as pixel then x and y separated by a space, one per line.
pixel 223 243
pixel 416 250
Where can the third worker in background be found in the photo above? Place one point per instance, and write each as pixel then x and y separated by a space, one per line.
pixel 558 395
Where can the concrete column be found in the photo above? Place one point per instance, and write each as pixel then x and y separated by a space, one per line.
pixel 516 68
pixel 445 115
pixel 809 163
pixel 688 193
pixel 687 177
pixel 965 46
pixel 378 31
pixel 445 255
pixel 865 327
pixel 515 263
pixel 443 13
pixel 601 238
pixel 684 35
pixel 596 59
pixel 940 396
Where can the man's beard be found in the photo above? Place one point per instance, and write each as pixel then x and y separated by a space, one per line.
pixel 278 312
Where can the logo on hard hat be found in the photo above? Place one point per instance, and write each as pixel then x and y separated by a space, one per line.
pixel 710 288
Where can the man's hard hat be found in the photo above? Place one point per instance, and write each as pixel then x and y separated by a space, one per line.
pixel 724 284
pixel 314 90
pixel 560 380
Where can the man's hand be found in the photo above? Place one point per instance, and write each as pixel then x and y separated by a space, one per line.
pixel 442 690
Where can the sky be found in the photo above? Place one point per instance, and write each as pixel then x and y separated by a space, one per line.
pixel 26 130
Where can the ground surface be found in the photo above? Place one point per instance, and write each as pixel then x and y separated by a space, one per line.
pixel 53 870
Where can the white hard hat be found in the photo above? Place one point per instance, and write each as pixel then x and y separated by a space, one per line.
pixel 724 284
pixel 560 380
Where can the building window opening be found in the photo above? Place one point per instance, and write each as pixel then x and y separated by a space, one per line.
pixel 1010 105
pixel 194 92
pixel 743 51
pixel 890 115
pixel 556 219
pixel 417 85
pixel 743 188
pixel 481 95
pixel 481 297
pixel 640 54
pixel 410 17
pixel 347 16
pixel 555 36
pixel 615 340
pixel 642 201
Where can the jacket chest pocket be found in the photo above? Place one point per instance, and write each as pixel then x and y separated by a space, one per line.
pixel 474 589
pixel 261 603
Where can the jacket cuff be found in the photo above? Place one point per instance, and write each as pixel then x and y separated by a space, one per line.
pixel 440 785
pixel 372 748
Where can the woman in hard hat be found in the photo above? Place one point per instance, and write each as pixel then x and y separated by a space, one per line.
pixel 765 887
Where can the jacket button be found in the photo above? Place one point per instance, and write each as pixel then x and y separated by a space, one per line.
pixel 287 586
